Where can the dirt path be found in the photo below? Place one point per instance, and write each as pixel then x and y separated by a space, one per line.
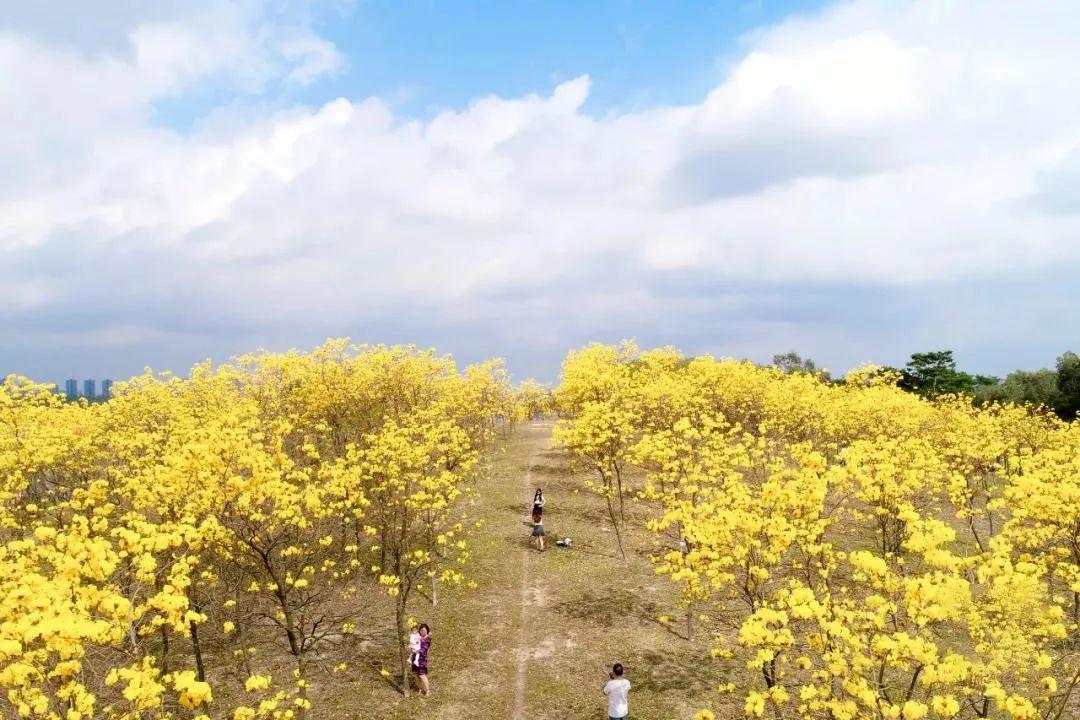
pixel 523 649
pixel 484 651
pixel 582 609
pixel 536 639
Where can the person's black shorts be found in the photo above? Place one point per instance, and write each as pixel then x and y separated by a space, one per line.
pixel 537 530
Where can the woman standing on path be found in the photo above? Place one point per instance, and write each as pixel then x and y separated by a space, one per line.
pixel 538 519
pixel 420 666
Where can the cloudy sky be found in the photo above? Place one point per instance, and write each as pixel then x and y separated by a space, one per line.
pixel 853 180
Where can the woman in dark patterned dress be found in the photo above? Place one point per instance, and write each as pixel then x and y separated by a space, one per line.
pixel 420 667
pixel 538 519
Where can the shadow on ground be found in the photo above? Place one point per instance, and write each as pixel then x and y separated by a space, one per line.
pixel 549 470
pixel 609 609
pixel 666 670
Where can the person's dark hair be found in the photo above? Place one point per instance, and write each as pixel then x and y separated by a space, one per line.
pixel 424 626
pixel 617 669
pixel 539 495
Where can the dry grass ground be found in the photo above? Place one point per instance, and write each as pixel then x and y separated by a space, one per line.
pixel 536 639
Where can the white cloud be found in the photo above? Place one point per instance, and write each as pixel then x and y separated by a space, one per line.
pixel 876 143
pixel 313 57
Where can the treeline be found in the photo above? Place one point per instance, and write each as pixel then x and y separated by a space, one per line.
pixel 934 373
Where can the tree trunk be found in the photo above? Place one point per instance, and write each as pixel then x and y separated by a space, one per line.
pixel 241 638
pixel 382 550
pixel 296 647
pixel 132 630
pixel 164 650
pixel 618 486
pixel 615 524
pixel 200 670
pixel 403 657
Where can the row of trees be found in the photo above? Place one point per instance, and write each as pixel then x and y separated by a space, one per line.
pixel 1058 388
pixel 851 549
pixel 239 523
pixel 934 373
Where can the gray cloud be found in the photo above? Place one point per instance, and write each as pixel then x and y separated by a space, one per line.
pixel 745 165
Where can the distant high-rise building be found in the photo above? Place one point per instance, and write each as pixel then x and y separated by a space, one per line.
pixel 106 388
pixel 89 389
pixel 71 389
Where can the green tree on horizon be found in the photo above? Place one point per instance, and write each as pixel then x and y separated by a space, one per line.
pixel 1068 385
pixel 792 362
pixel 1023 386
pixel 934 373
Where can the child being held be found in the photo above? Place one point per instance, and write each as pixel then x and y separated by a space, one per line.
pixel 414 646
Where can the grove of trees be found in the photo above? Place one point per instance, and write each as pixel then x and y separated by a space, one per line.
pixel 240 518
pixel 851 549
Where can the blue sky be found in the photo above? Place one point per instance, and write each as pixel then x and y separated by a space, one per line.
pixel 424 56
pixel 854 180
pixel 433 55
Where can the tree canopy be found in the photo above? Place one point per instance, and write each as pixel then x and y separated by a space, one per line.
pixel 934 373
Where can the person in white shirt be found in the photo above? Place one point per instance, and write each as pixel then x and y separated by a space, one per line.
pixel 616 689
